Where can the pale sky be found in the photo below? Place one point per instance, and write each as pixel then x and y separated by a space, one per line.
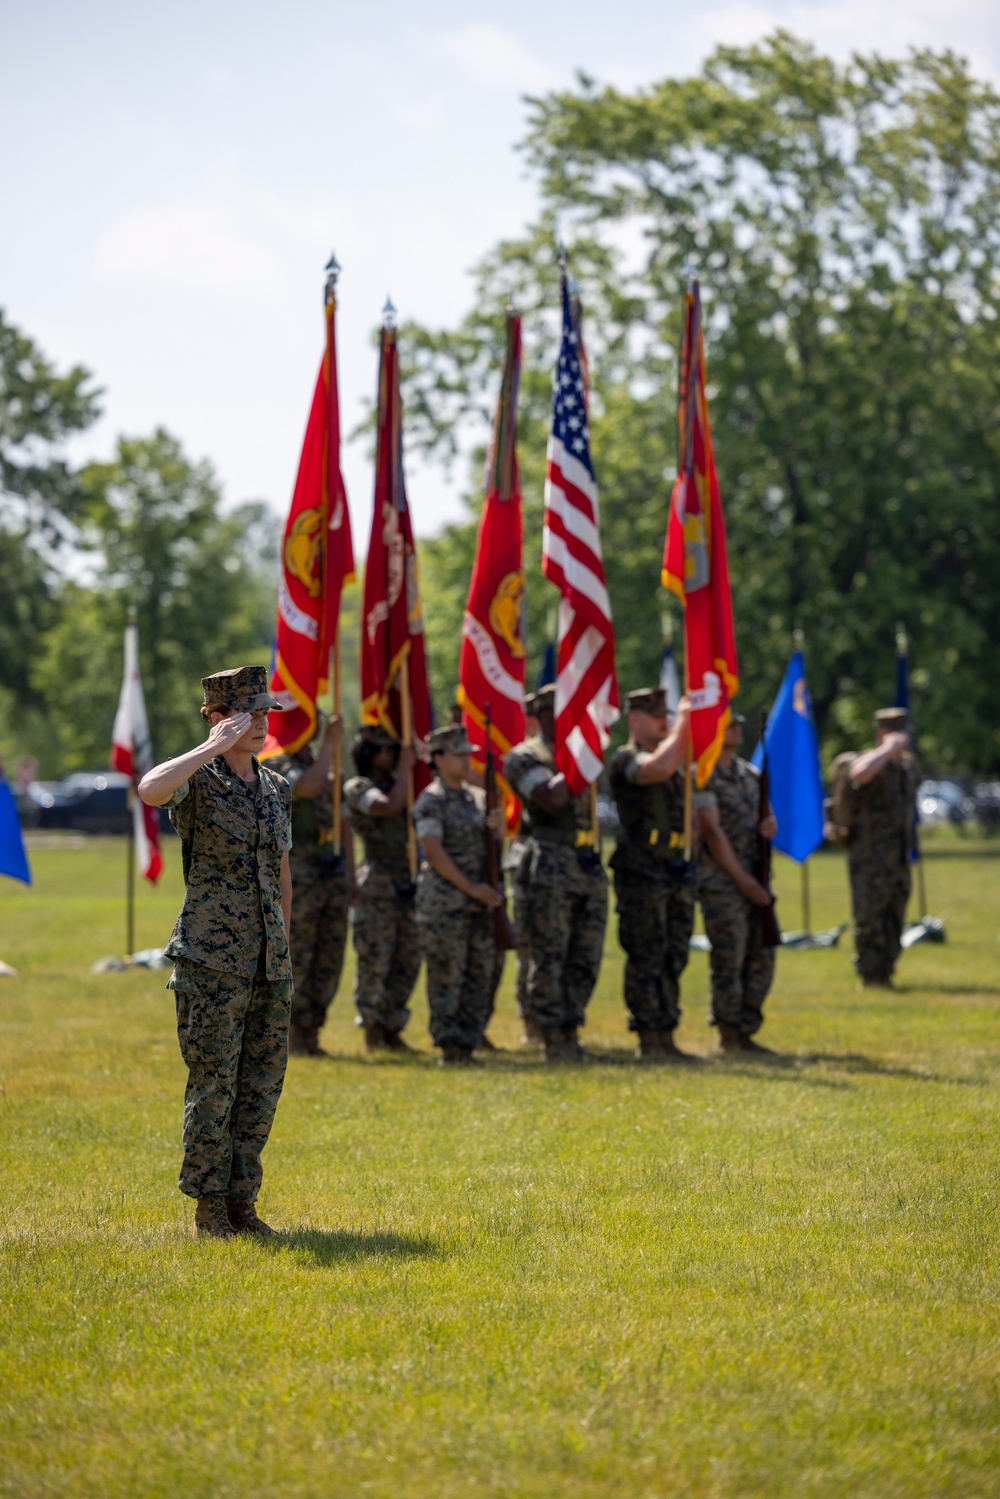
pixel 174 177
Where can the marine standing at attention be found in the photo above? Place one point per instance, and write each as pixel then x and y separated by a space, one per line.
pixel 322 887
pixel 564 890
pixel 385 928
pixel 732 897
pixel 455 904
pixel 232 975
pixel 653 880
pixel 875 796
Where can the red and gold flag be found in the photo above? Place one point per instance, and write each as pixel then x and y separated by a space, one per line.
pixel 491 667
pixel 317 559
pixel 393 661
pixel 694 556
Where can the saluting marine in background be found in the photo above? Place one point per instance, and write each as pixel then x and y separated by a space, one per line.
pixel 564 890
pixel 454 901
pixel 732 897
pixel 873 815
pixel 385 929
pixel 322 887
pixel 232 975
pixel 653 880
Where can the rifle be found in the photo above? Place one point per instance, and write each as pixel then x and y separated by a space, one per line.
pixel 503 932
pixel 770 930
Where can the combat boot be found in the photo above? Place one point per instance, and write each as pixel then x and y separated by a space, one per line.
pixel 531 1034
pixel 753 1048
pixel 673 1053
pixel 210 1218
pixel 555 1043
pixel 574 1051
pixel 243 1220
pixel 651 1047
pixel 374 1037
pixel 730 1039
pixel 393 1041
pixel 457 1056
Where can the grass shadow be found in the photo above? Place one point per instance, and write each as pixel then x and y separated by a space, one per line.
pixel 958 989
pixel 336 1246
pixel 853 1061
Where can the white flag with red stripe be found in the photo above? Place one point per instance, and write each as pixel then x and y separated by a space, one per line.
pixel 132 754
pixel 586 689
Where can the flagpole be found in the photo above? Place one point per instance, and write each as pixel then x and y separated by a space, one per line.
pixel 407 727
pixel 799 644
pixel 688 756
pixel 332 269
pixel 130 877
pixel 335 676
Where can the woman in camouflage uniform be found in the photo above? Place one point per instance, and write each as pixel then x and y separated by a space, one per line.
pixel 454 901
pixel 232 975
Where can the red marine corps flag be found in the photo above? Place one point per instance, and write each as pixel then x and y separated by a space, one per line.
pixel 394 691
pixel 132 754
pixel 491 668
pixel 586 689
pixel 694 556
pixel 317 559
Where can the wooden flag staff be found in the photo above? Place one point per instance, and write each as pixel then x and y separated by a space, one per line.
pixel 335 676
pixel 406 712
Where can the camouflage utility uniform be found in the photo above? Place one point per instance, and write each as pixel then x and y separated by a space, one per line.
pixel 456 931
pixel 321 896
pixel 742 967
pixel 232 975
pixel 654 889
pixel 562 894
pixel 385 929
pixel 880 820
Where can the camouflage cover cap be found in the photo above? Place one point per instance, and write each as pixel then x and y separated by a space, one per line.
pixel 531 703
pixel 452 739
pixel 894 719
pixel 373 733
pixel 647 700
pixel 735 716
pixel 545 699
pixel 242 688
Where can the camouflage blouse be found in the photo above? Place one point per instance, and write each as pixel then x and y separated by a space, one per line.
pixel 735 790
pixel 233 836
pixel 312 816
pixel 385 865
pixel 458 818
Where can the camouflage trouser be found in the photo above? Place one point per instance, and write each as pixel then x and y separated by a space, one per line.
pixel 233 1035
pixel 388 947
pixel 879 892
pixel 459 952
pixel 655 921
pixel 742 967
pixel 565 913
pixel 318 939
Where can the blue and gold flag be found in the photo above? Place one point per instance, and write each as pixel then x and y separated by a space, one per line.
pixel 793 759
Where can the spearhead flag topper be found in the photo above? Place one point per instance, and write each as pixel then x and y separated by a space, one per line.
pixel 694 555
pixel 492 662
pixel 393 659
pixel 586 688
pixel 793 755
pixel 132 754
pixel 317 559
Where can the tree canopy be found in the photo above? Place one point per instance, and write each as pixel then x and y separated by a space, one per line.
pixel 844 222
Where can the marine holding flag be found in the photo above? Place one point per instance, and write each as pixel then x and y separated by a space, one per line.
pixel 563 890
pixel 694 556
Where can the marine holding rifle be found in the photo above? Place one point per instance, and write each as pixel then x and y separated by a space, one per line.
pixel 732 898
pixel 563 890
pixel 653 879
pixel 455 901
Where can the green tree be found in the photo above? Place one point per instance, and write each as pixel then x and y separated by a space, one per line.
pixel 845 224
pixel 202 582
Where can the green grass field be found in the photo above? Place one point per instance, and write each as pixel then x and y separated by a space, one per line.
pixel 741 1279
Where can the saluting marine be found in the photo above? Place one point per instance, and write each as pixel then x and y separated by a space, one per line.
pixel 653 880
pixel 385 929
pixel 322 887
pixel 732 897
pixel 564 890
pixel 454 901
pixel 874 806
pixel 232 975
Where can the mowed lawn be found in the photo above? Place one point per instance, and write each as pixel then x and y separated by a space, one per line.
pixel 740 1279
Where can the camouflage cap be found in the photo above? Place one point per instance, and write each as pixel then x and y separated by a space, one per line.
pixel 894 719
pixel 735 716
pixel 545 699
pixel 374 733
pixel 242 688
pixel 531 703
pixel 647 700
pixel 452 739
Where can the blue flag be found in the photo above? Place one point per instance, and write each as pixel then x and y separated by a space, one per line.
pixel 13 860
pixel 547 675
pixel 793 760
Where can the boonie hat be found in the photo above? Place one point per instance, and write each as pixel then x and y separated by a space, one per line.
pixel 243 688
pixel 452 739
pixel 647 700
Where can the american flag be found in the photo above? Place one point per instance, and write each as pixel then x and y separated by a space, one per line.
pixel 586 689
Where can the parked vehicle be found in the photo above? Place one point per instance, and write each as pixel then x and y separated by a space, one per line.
pixel 944 801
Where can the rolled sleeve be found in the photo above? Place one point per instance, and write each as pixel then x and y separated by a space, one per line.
pixel 534 777
pixel 429 827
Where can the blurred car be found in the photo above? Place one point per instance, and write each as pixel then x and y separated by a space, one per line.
pixel 986 804
pixel 89 801
pixel 944 801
